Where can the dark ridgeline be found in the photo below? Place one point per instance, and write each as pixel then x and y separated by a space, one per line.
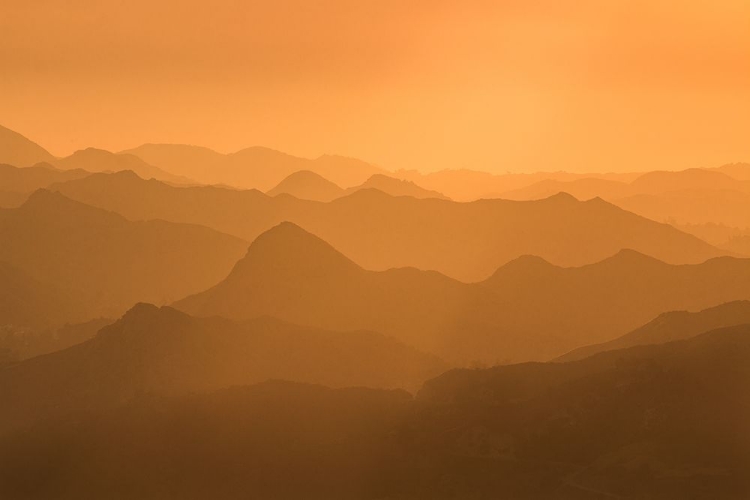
pixel 621 424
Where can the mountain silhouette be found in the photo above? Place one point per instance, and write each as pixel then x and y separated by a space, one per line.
pixel 582 189
pixel 527 310
pixel 397 187
pixel 106 263
pixel 99 160
pixel 251 168
pixel 19 151
pixel 622 424
pixel 307 185
pixel 670 326
pixel 467 241
pixel 161 351
pixel 17 183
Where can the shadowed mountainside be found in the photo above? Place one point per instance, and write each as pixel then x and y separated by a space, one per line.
pixel 106 263
pixel 528 309
pixel 621 424
pixel 467 241
pixel 670 326
pixel 161 351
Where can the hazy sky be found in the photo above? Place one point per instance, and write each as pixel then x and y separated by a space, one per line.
pixel 497 85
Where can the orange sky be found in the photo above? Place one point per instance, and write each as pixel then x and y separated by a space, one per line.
pixel 514 85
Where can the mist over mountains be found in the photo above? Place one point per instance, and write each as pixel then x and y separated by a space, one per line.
pixel 181 323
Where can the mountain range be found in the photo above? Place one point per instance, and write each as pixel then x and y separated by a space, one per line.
pixel 623 424
pixel 104 263
pixel 162 352
pixel 467 241
pixel 528 309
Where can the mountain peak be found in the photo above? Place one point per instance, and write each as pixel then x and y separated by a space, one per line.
pixel 288 248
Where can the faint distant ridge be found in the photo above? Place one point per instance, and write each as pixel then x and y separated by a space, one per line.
pixel 397 187
pixel 254 167
pixel 308 185
pixel 19 151
pixel 100 160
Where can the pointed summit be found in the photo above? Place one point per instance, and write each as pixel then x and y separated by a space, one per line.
pixel 307 185
pixel 287 250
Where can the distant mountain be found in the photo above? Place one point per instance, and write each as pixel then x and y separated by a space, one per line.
pixel 667 421
pixel 694 178
pixel 740 171
pixel 99 160
pixel 17 183
pixel 528 310
pixel 468 241
pixel 583 189
pixel 164 352
pixel 307 185
pixel 698 206
pixel 19 151
pixel 670 326
pixel 471 185
pixel 106 263
pixel 397 187
pixel 251 168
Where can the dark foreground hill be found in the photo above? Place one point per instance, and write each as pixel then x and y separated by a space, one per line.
pixel 528 310
pixel 668 422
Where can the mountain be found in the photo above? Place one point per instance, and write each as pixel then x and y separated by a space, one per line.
pixel 528 310
pixel 17 183
pixel 99 160
pixel 583 189
pixel 251 168
pixel 467 241
pixel 397 187
pixel 667 421
pixel 106 263
pixel 694 178
pixel 670 326
pixel 161 351
pixel 698 206
pixel 19 151
pixel 739 171
pixel 307 185
pixel 26 343
pixel 27 303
